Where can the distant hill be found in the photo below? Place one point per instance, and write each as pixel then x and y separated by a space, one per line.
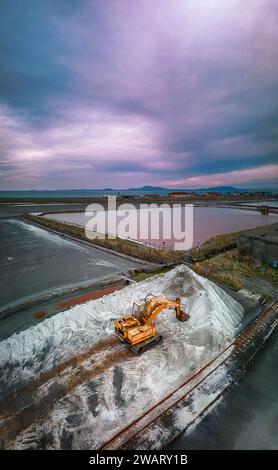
pixel 222 189
pixel 148 188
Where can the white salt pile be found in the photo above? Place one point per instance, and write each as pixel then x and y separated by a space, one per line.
pixel 125 390
pixel 214 319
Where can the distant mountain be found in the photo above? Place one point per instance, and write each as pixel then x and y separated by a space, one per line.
pixel 148 188
pixel 222 189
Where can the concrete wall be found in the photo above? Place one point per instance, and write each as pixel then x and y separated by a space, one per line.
pixel 263 250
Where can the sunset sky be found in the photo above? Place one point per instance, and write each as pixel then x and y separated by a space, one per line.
pixel 126 93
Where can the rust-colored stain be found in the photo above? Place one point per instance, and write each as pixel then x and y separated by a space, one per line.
pixel 252 328
pixel 39 315
pixel 93 295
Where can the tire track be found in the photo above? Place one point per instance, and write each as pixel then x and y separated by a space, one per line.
pixel 9 402
pixel 26 407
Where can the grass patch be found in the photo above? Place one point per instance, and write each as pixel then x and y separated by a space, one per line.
pixel 215 245
pixel 231 269
pixel 138 277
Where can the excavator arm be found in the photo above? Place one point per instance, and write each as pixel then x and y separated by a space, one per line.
pixel 156 304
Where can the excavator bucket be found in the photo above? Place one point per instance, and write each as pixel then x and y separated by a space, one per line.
pixel 182 316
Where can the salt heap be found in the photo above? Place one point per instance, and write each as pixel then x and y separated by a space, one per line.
pixel 125 389
pixel 214 318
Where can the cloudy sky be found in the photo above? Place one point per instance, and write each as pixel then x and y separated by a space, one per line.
pixel 124 93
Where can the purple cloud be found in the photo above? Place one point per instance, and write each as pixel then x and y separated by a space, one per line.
pixel 109 93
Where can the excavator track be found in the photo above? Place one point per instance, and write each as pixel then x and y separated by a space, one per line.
pixel 145 345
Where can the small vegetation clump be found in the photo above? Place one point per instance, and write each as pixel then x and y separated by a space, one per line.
pixel 141 276
pixel 215 245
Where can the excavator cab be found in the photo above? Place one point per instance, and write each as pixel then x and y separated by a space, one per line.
pixel 138 310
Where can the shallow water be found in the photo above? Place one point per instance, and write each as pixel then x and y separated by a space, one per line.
pixel 164 228
pixel 35 263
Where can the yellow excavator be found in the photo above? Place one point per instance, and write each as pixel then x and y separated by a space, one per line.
pixel 137 330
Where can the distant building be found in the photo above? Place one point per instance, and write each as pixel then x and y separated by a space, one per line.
pixel 179 194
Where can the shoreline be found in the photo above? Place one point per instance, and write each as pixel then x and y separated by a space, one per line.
pixel 135 199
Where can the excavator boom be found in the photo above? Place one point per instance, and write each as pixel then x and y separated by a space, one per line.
pixel 157 304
